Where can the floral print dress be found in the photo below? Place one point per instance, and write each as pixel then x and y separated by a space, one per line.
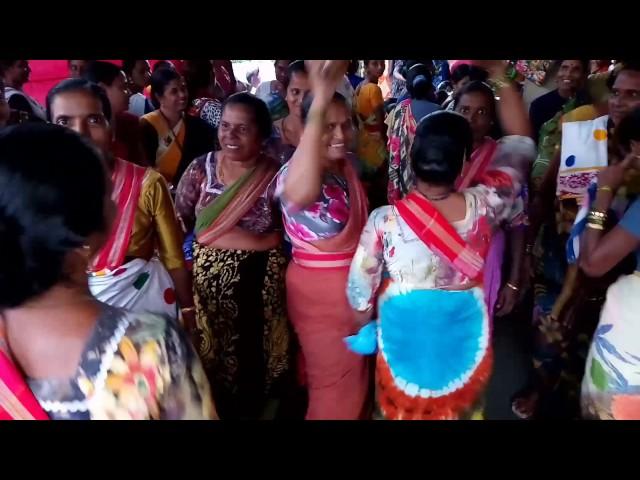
pixel 324 218
pixel 134 367
pixel 389 248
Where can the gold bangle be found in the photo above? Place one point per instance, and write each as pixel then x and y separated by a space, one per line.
pixel 188 309
pixel 595 226
pixel 605 188
pixel 597 217
pixel 512 286
pixel 597 220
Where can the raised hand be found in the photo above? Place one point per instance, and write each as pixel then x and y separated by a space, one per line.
pixel 496 68
pixel 324 76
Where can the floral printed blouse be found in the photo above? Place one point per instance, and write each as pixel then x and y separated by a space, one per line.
pixel 199 186
pixel 389 245
pixel 134 367
pixel 324 218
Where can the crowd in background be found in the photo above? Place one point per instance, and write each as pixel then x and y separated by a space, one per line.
pixel 335 243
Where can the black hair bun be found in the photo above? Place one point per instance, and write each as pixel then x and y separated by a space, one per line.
pixel 443 140
pixel 419 81
pixel 52 192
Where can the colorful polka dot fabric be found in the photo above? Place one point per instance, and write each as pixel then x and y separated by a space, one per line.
pixel 583 155
pixel 138 286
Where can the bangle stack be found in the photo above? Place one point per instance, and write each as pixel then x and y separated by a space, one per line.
pixel 596 220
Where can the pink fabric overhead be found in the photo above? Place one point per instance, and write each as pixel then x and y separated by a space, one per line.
pixel 45 74
pixel 453 64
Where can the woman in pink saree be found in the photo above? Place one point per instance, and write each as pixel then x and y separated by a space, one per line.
pixel 324 209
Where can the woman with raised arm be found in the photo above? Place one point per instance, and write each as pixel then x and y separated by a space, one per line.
pixel 433 334
pixel 324 209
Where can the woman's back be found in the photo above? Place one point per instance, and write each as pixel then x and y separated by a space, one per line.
pixel 64 354
pixel 409 261
pixel 133 366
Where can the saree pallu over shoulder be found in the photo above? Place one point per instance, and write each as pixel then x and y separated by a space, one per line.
pixel 227 210
pixel 17 402
pixel 169 162
pixel 127 185
pixel 337 251
pixel 480 160
pixel 439 235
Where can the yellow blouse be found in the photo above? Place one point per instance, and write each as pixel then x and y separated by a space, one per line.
pixel 156 225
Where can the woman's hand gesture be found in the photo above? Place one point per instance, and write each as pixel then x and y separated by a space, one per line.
pixel 325 76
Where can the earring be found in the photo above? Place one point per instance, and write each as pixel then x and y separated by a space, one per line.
pixel 86 251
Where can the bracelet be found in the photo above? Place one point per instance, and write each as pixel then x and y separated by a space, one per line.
pixel 597 213
pixel 595 221
pixel 528 249
pixel 595 226
pixel 512 287
pixel 596 217
pixel 605 188
pixel 188 309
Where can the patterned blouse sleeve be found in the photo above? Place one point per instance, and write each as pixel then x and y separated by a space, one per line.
pixel 365 273
pixel 502 190
pixel 188 395
pixel 279 191
pixel 394 191
pixel 188 192
pixel 211 113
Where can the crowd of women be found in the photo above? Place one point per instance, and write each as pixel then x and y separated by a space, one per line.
pixel 335 245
